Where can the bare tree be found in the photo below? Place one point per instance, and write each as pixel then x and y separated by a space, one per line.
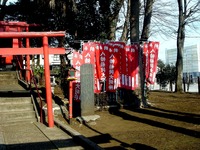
pixel 125 31
pixel 188 10
pixel 112 16
pixel 157 20
pixel 164 19
pixel 134 20
pixel 147 19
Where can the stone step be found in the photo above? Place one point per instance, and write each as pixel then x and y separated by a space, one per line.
pixel 8 80
pixel 9 83
pixel 17 116
pixel 8 77
pixel 3 78
pixel 8 74
pixel 15 107
pixel 17 121
pixel 15 100
pixel 13 92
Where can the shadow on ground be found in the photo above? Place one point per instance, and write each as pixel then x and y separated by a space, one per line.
pixel 182 130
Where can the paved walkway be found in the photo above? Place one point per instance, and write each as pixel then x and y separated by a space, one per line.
pixel 34 136
pixel 37 136
pixel 31 136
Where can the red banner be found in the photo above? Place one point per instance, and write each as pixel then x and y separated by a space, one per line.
pixel 89 53
pixel 153 58
pixel 89 50
pixel 97 72
pixel 103 60
pixel 98 50
pixel 134 52
pixel 146 59
pixel 111 61
pixel 124 67
pixel 117 63
pixel 110 69
pixel 120 46
pixel 77 61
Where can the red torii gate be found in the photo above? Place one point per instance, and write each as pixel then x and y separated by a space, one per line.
pixel 45 50
pixel 13 26
pixel 16 26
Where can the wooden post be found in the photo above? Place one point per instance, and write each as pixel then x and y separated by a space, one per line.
pixel 70 101
pixel 28 66
pixel 199 84
pixel 184 88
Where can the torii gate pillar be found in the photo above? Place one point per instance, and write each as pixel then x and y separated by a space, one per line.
pixel 47 82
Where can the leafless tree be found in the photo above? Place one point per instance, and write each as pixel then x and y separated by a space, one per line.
pixel 147 19
pixel 112 17
pixel 134 20
pixel 187 10
pixel 164 19
pixel 125 31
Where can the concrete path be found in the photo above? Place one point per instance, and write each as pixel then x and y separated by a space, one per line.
pixel 37 136
pixel 34 136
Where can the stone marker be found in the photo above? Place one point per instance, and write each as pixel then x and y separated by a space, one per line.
pixel 87 89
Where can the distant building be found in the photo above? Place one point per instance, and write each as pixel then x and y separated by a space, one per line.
pixel 191 59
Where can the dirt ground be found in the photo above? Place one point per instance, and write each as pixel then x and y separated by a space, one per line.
pixel 172 123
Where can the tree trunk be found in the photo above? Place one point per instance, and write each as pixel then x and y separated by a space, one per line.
pixel 180 46
pixel 134 20
pixel 112 28
pixel 145 37
pixel 147 20
pixel 124 36
pixel 171 86
pixel 113 18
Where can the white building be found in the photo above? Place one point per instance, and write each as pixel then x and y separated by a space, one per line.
pixel 54 59
pixel 191 59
